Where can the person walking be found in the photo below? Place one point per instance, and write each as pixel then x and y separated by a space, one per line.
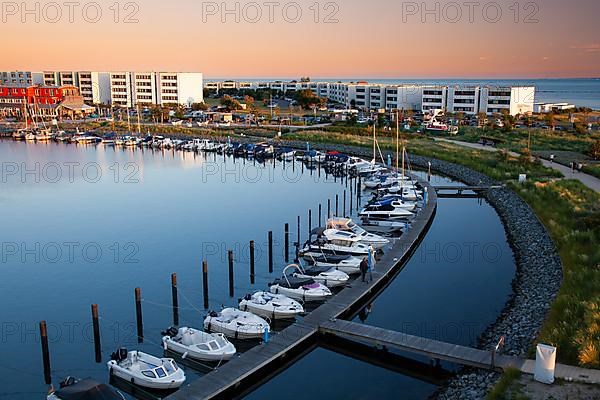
pixel 364 267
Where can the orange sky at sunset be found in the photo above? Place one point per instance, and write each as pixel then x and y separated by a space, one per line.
pixel 369 40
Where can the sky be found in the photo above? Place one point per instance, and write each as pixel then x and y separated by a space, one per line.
pixel 354 39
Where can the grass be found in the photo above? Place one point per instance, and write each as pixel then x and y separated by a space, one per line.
pixel 507 387
pixel 571 213
pixel 593 170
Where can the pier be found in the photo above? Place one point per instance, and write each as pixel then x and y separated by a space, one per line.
pixel 458 191
pixel 262 361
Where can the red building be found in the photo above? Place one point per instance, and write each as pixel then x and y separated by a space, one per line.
pixel 40 100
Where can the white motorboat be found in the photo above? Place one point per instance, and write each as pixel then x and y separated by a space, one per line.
pixel 385 210
pixel 72 388
pixel 333 241
pixel 357 164
pixel 198 345
pixel 236 324
pixel 328 276
pixel 406 192
pixel 146 370
pixel 347 225
pixel 348 264
pixel 385 227
pixel 301 289
pixel 399 201
pixel 269 305
pixel 384 181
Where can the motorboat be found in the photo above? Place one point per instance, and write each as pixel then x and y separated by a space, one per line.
pixel 385 210
pixel 146 370
pixel 236 324
pixel 406 192
pixel 348 225
pixel 20 134
pixel 301 289
pixel 198 345
pixel 269 305
pixel 333 241
pixel 328 276
pixel 383 181
pixel 286 154
pixel 398 201
pixel 83 389
pixel 348 264
pixel 264 150
pixel 313 156
pixel 382 226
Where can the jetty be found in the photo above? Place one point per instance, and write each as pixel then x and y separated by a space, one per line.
pixel 241 373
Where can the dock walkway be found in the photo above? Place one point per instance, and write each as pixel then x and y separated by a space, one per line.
pixel 251 366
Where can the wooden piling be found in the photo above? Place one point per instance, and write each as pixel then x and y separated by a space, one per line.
pixel 287 242
pixel 298 230
pixel 175 299
pixel 328 208
pixel 337 201
pixel 138 315
pixel 96 327
pixel 309 221
pixel 205 283
pixel 270 252
pixel 252 262
pixel 344 213
pixel 320 225
pixel 230 257
pixel 45 353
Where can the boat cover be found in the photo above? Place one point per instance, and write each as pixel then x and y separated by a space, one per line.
pixel 294 283
pixel 88 389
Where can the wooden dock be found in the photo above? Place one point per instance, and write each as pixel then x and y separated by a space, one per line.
pixel 243 372
pixel 432 349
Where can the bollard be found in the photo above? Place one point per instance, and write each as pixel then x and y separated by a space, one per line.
pixel 138 315
pixel 230 256
pixel 205 283
pixel 96 327
pixel 270 252
pixel 175 299
pixel 252 262
pixel 45 353
pixel 287 242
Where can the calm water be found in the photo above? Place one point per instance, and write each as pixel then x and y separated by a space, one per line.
pixel 451 290
pixel 85 225
pixel 581 92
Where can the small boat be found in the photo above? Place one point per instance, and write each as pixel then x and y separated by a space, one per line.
pixel 236 324
pixel 84 389
pixel 333 241
pixel 328 276
pixel 405 192
pixel 347 225
pixel 398 201
pixel 348 264
pixel 20 134
pixel 385 227
pixel 146 370
pixel 385 210
pixel 301 289
pixel 269 305
pixel 198 345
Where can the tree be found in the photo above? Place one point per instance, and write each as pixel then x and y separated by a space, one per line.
pixel 200 106
pixel 308 100
pixel 249 100
pixel 594 150
pixel 230 103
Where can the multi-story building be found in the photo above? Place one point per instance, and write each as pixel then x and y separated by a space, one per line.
pixel 126 89
pixel 40 100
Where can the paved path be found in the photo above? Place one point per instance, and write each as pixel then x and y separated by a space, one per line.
pixel 588 180
pixel 567 372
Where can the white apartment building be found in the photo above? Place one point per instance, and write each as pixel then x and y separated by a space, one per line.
pixel 126 89
pixel 469 100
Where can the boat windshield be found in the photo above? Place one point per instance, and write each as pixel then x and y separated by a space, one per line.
pixel 160 372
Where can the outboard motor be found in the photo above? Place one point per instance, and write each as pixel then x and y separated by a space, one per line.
pixel 119 355
pixel 248 297
pixel 171 332
pixel 213 314
pixel 68 381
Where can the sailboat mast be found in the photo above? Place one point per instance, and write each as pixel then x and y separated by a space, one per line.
pixel 25 113
pixel 397 139
pixel 374 142
pixel 128 121
pixel 138 120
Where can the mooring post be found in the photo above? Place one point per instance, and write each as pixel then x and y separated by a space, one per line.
pixel 96 327
pixel 45 352
pixel 205 283
pixel 344 203
pixel 328 208
pixel 138 315
pixel 337 201
pixel 309 221
pixel 270 252
pixel 230 256
pixel 287 242
pixel 351 196
pixel 320 225
pixel 175 299
pixel 298 229
pixel 252 262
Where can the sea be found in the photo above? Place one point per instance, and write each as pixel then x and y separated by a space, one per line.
pixel 582 92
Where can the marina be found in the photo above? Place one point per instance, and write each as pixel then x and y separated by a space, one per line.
pixel 301 336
